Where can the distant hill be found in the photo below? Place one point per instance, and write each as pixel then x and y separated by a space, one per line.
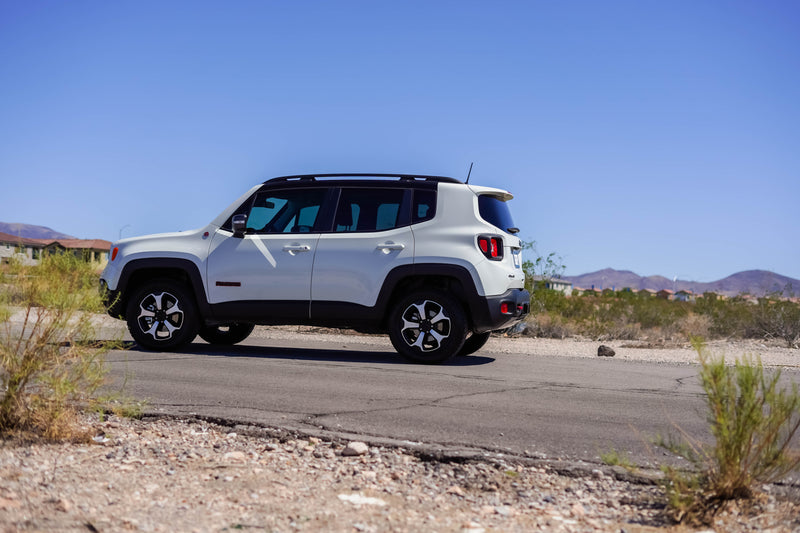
pixel 30 231
pixel 755 282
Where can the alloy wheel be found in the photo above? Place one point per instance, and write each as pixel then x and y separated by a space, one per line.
pixel 425 325
pixel 160 315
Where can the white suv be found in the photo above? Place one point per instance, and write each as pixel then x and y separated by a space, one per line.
pixel 433 261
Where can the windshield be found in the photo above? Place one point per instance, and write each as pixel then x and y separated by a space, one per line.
pixel 495 211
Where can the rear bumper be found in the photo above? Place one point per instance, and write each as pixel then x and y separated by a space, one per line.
pixel 500 312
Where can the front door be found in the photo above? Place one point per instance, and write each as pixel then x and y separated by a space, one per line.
pixel 272 262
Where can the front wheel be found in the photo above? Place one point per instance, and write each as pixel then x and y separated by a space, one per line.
pixel 428 326
pixel 162 315
pixel 226 333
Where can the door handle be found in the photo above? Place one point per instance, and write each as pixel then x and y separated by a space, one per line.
pixel 390 246
pixel 296 248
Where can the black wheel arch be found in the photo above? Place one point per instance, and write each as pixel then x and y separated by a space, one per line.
pixel 140 271
pixel 454 279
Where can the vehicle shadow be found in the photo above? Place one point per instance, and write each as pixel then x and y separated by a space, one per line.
pixel 313 354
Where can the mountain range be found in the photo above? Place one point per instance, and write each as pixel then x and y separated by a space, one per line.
pixel 755 282
pixel 29 231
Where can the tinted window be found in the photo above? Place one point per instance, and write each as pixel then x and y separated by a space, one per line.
pixel 424 205
pixel 289 211
pixel 495 211
pixel 369 210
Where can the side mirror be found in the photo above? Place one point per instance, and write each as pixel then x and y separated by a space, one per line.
pixel 239 224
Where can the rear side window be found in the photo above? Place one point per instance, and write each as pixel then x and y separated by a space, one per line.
pixel 370 210
pixel 495 211
pixel 424 207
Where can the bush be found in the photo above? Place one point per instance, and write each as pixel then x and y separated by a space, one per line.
pixel 50 361
pixel 773 318
pixel 627 316
pixel 753 423
pixel 549 326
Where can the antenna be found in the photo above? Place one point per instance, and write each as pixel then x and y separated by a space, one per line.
pixel 470 171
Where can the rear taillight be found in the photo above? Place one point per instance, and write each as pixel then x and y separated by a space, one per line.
pixel 114 253
pixel 491 246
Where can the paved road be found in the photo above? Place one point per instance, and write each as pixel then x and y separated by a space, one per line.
pixel 553 407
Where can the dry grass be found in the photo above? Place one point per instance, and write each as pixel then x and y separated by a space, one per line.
pixel 50 361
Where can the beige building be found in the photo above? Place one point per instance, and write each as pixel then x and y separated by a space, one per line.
pixel 29 251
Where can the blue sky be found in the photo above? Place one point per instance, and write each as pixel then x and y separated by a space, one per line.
pixel 658 137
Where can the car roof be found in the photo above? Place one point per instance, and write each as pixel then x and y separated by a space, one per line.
pixel 359 176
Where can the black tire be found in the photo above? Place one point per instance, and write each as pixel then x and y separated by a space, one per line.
pixel 151 324
pixel 226 333
pixel 474 343
pixel 428 326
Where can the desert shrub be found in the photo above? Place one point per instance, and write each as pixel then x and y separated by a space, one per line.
pixel 577 308
pixel 729 318
pixel 773 318
pixel 753 423
pixel 655 312
pixel 547 300
pixel 626 316
pixel 692 325
pixel 626 331
pixel 50 361
pixel 551 326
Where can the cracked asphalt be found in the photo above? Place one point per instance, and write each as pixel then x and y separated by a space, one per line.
pixel 544 408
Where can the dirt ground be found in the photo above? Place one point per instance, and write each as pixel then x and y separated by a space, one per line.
pixel 191 475
pixel 171 474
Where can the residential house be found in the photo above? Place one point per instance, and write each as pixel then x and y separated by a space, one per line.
pixel 555 284
pixel 29 251
pixel 26 250
pixel 95 250
pixel 684 295
pixel 665 294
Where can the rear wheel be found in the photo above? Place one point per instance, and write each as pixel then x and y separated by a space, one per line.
pixel 428 326
pixel 162 315
pixel 474 343
pixel 226 333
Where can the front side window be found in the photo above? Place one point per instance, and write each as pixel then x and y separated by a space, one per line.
pixel 370 210
pixel 289 211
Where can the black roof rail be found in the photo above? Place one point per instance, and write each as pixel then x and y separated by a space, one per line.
pixel 401 177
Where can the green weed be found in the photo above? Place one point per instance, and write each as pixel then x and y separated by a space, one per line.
pixel 753 422
pixel 616 458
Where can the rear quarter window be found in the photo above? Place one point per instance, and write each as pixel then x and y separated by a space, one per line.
pixel 424 207
pixel 495 211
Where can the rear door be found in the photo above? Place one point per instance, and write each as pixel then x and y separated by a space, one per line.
pixel 371 235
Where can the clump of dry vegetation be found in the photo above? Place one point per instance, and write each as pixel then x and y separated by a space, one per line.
pixel 629 316
pixel 50 361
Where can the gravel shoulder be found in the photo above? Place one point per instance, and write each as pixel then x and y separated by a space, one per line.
pixel 189 474
pixel 192 475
